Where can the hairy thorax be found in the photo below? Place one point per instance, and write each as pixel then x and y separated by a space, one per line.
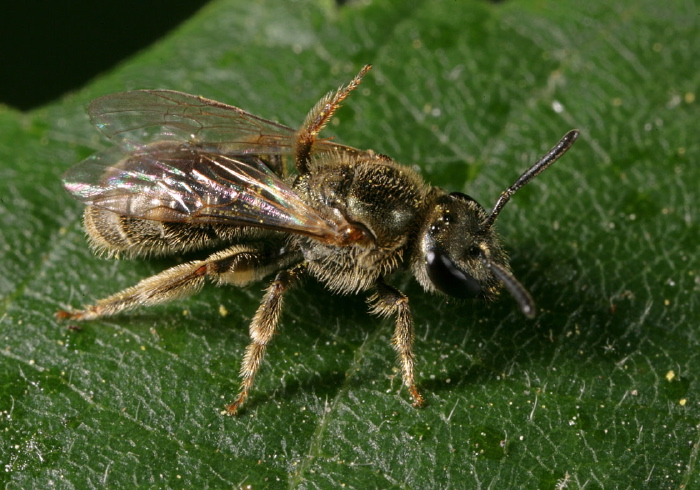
pixel 385 199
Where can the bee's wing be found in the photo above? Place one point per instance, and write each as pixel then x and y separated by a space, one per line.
pixel 173 183
pixel 139 118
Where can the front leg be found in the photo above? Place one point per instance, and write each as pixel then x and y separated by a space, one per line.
pixel 390 301
pixel 262 329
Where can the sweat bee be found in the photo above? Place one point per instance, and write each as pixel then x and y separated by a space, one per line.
pixel 188 173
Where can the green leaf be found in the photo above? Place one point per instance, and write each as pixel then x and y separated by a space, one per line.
pixel 600 391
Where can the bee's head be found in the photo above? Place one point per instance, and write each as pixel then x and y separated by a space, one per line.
pixel 460 253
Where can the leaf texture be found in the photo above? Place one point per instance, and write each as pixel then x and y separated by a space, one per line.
pixel 599 391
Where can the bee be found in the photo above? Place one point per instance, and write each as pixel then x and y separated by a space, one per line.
pixel 191 174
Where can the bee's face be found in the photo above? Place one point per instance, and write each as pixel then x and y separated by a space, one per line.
pixel 455 250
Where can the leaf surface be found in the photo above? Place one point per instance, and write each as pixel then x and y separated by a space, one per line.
pixel 600 391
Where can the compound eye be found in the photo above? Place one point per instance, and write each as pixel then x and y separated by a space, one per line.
pixel 448 278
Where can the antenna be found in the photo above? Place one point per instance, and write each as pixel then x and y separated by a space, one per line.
pixel 517 290
pixel 542 164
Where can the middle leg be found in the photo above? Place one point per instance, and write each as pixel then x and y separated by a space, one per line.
pixel 262 329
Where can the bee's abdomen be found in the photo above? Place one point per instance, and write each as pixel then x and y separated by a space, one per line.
pixel 115 234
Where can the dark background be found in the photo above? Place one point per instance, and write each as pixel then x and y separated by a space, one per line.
pixel 50 48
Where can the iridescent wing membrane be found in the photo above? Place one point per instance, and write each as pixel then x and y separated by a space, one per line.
pixel 141 117
pixel 183 158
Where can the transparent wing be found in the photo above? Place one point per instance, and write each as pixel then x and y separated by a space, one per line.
pixel 139 118
pixel 174 183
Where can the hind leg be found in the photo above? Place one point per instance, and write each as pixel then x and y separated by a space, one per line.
pixel 238 265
